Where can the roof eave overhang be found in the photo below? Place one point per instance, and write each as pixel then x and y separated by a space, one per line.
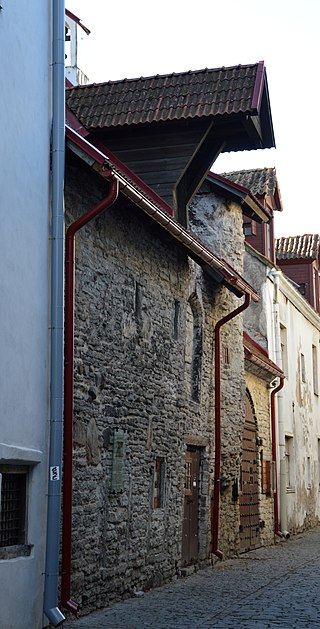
pixel 250 205
pixel 220 270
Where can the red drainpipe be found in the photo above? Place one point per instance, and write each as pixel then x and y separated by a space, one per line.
pixel 68 389
pixel 217 425
pixel 274 457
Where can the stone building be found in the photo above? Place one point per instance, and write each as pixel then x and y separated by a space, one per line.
pixel 148 297
pixel 158 412
pixel 218 214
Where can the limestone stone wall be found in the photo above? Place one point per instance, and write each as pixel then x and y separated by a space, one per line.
pixel 218 222
pixel 142 394
pixel 259 392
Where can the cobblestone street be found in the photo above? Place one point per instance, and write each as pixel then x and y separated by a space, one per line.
pixel 270 587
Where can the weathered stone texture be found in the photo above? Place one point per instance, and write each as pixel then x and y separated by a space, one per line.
pixel 260 395
pixel 135 289
pixel 255 318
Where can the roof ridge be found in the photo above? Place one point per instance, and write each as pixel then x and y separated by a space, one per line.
pixel 162 76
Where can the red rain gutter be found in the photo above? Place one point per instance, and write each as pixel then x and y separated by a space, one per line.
pixel 274 456
pixel 111 197
pixel 258 87
pixel 217 424
pixel 160 212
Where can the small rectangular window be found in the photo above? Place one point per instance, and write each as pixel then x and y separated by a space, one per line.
pixel 158 483
pixel 250 228
pixel 303 367
pixel 284 348
pixel 13 489
pixel 266 476
pixel 289 454
pixel 315 370
pixel 308 472
pixel 319 464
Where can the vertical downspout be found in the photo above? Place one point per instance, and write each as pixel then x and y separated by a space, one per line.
pixel 51 610
pixel 217 424
pixel 281 432
pixel 68 390
pixel 274 457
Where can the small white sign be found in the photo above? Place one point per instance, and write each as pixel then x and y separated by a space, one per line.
pixel 55 473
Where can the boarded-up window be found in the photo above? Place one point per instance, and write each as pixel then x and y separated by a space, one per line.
pixel 266 477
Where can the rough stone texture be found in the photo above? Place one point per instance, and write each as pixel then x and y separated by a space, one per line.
pixel 255 318
pixel 135 290
pixel 260 396
pixel 276 586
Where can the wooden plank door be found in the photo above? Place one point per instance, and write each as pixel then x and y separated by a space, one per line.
pixel 191 507
pixel 249 485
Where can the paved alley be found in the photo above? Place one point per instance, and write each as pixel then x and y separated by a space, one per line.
pixel 269 587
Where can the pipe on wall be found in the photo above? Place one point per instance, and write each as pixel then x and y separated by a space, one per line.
pixel 51 610
pixel 105 203
pixel 280 403
pixel 274 457
pixel 217 424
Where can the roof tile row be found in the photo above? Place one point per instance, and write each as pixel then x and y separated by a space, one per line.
pixel 165 97
pixel 297 247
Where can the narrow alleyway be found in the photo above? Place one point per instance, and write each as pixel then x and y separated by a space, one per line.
pixel 269 587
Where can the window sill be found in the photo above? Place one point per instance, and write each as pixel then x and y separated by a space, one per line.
pixel 12 552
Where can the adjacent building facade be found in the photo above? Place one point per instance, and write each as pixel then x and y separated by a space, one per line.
pixel 24 377
pixel 286 324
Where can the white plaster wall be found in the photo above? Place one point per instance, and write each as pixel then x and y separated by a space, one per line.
pixel 25 42
pixel 301 406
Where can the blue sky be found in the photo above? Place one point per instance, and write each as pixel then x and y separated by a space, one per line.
pixel 143 38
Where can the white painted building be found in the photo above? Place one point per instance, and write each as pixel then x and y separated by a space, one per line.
pixel 26 32
pixel 290 328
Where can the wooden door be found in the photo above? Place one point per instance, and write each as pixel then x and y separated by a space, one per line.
pixel 191 507
pixel 249 485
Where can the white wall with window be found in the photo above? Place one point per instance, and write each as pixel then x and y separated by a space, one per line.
pixel 25 42
pixel 299 332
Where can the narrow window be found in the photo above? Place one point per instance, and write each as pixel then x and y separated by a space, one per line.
pixel 289 462
pixel 315 370
pixel 176 319
pixel 266 476
pixel 308 472
pixel 158 483
pixel 193 349
pixel 284 348
pixel 303 367
pixel 319 464
pixel 13 488
pixel 226 355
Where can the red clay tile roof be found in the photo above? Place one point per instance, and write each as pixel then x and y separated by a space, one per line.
pixel 261 181
pixel 297 247
pixel 193 94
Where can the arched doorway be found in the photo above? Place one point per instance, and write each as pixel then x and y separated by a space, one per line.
pixel 249 483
